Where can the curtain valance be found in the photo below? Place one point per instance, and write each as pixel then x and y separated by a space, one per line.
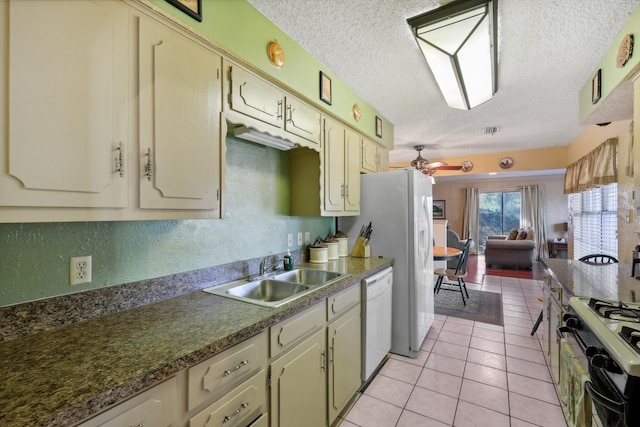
pixel 598 167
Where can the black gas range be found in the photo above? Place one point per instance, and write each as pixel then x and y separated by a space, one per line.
pixel 608 334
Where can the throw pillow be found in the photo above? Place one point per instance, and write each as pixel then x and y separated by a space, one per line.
pixel 512 234
pixel 529 234
pixel 522 234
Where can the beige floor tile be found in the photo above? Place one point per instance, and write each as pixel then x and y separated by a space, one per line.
pixel 535 411
pixel 446 364
pixel 401 371
pixel 525 353
pixel 451 350
pixel 389 390
pixel 519 340
pixel 492 327
pixel 486 396
pixel 487 345
pixel 528 369
pixel 531 387
pixel 427 344
pixel 460 328
pixel 519 423
pixel 411 419
pixel 454 338
pixel 345 423
pixel 418 361
pixel 486 358
pixel 470 415
pixel 524 330
pixel 486 375
pixel 488 334
pixel 441 382
pixel 371 412
pixel 432 404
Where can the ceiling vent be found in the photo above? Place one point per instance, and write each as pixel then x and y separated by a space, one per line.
pixel 491 130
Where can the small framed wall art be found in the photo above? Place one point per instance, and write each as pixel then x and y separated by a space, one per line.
pixel 596 87
pixel 378 127
pixel 193 8
pixel 325 88
pixel 439 211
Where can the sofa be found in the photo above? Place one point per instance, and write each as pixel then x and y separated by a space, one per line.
pixel 513 250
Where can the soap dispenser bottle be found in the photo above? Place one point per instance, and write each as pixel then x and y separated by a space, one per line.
pixel 288 261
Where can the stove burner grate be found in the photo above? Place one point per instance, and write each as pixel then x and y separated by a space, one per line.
pixel 619 311
pixel 632 336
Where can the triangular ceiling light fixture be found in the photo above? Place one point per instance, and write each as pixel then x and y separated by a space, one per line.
pixel 459 42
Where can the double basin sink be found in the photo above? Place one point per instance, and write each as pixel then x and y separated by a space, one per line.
pixel 277 288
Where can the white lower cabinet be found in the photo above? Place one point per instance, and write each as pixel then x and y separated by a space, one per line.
pixel 157 406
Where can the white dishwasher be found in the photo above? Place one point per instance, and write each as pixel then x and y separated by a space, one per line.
pixel 376 320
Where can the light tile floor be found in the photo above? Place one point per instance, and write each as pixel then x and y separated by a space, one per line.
pixel 469 373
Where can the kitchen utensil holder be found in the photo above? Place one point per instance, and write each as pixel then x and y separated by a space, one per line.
pixel 361 249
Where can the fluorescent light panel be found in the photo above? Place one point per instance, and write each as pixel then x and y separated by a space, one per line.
pixel 458 42
pixel 248 134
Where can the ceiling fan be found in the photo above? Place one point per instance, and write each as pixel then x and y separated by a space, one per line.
pixel 427 168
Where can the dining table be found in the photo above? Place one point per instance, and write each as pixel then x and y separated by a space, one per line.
pixel 445 253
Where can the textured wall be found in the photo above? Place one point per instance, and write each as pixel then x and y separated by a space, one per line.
pixel 34 258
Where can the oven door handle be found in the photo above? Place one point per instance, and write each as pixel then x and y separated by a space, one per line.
pixel 560 331
pixel 617 407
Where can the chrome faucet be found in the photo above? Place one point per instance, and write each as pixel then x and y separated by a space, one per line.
pixel 264 268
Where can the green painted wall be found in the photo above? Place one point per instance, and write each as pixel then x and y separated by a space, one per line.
pixel 34 258
pixel 239 28
pixel 611 75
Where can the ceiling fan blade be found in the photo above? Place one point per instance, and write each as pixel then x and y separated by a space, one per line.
pixel 448 168
pixel 437 164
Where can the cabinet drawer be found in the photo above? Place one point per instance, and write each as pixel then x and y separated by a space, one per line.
pixel 238 408
pixel 157 406
pixel 343 301
pixel 217 375
pixel 290 331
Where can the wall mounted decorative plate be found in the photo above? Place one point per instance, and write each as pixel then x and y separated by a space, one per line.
pixel 275 53
pixel 506 162
pixel 467 165
pixel 625 50
pixel 357 113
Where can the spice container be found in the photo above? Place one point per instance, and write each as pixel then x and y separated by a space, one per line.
pixel 319 253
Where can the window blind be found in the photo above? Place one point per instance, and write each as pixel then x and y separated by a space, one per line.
pixel 595 223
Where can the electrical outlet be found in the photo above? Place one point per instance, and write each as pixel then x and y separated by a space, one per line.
pixel 79 270
pixel 307 237
pixel 299 238
pixel 289 240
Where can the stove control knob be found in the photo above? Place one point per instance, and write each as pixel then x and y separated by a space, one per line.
pixel 572 322
pixel 603 361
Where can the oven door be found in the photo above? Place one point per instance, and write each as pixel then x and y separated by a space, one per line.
pixel 607 409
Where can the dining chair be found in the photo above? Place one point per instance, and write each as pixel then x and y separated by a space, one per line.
pixel 597 259
pixel 455 277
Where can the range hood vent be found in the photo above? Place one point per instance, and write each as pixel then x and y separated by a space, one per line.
pixel 248 134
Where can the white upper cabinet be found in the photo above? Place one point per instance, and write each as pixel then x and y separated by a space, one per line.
pixel 254 102
pixel 374 158
pixel 180 106
pixel 67 138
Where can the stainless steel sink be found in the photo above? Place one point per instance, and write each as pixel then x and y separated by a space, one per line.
pixel 308 276
pixel 277 289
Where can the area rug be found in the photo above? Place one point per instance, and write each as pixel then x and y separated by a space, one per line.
pixel 485 307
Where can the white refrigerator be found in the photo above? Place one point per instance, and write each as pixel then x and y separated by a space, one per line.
pixel 399 206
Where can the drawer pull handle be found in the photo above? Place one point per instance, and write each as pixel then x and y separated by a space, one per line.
pixel 234 413
pixel 235 368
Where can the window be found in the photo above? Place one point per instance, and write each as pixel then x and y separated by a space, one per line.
pixel 499 213
pixel 595 223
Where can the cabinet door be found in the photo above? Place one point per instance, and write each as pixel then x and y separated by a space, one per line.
pixel 383 159
pixel 252 96
pixel 67 103
pixel 334 140
pixel 345 361
pixel 351 172
pixel 303 121
pixel 180 106
pixel 369 156
pixel 299 385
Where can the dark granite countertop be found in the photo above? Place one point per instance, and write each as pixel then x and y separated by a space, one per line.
pixel 609 281
pixel 61 377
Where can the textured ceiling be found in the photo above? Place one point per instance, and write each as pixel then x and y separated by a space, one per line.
pixel 547 50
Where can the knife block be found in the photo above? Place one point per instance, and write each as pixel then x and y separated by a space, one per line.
pixel 361 249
